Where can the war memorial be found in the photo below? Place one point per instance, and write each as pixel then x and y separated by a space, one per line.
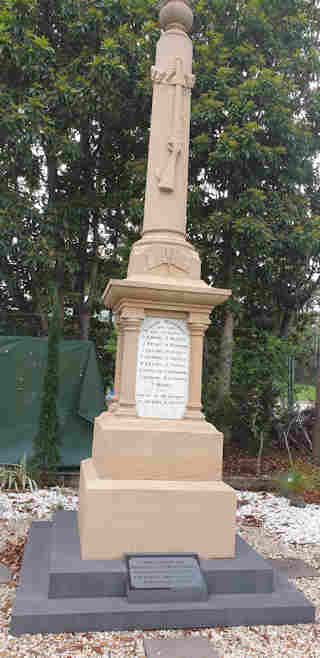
pixel 154 543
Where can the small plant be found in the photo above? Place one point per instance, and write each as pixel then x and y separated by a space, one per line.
pixel 17 477
pixel 293 485
pixel 311 474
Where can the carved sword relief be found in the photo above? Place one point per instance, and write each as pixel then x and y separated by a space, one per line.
pixel 182 82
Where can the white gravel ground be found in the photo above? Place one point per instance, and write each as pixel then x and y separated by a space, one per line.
pixel 267 522
pixel 292 524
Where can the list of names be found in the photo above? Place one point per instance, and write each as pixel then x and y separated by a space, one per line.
pixel 162 368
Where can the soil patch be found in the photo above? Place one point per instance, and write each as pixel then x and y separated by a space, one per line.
pixel 240 471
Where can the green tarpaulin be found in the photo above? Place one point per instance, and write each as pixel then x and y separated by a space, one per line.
pixel 22 367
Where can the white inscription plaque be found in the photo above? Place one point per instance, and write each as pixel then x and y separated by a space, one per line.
pixel 162 368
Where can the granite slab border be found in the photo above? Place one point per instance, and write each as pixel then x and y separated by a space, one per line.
pixel 35 612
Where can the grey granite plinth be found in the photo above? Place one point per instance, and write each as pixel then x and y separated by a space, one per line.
pixel 71 577
pixel 59 592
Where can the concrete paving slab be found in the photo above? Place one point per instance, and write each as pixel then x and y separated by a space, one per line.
pixel 180 648
pixel 5 574
pixel 294 568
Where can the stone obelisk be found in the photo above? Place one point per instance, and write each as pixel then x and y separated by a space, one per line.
pixel 154 482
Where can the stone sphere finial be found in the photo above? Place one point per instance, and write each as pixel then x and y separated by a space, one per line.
pixel 176 14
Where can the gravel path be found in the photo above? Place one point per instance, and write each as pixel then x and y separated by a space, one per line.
pixel 267 522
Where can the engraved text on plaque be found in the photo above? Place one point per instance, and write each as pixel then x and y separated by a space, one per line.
pixel 165 577
pixel 162 368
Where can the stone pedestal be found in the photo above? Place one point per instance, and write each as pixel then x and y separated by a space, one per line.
pixel 147 448
pixel 154 516
pixel 154 484
pixel 154 480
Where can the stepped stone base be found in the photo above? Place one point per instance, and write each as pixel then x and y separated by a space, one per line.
pixel 154 516
pixel 59 592
pixel 150 448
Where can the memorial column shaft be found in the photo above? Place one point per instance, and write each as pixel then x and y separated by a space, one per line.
pixel 167 177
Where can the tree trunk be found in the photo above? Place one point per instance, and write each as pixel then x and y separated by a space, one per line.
pixel 225 359
pixel 87 278
pixel 226 341
pixel 44 323
pixel 52 185
pixel 85 324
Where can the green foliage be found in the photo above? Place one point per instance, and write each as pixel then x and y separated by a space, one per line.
pixel 261 360
pixel 75 106
pixel 111 344
pixel 104 336
pixel 311 474
pixel 17 476
pixel 254 148
pixel 256 220
pixel 293 428
pixel 72 169
pixel 46 453
pixel 259 378
pixel 293 483
pixel 304 392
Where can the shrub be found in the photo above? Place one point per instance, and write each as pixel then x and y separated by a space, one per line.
pixel 46 453
pixel 17 476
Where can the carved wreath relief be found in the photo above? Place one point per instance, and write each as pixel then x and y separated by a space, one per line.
pixel 182 82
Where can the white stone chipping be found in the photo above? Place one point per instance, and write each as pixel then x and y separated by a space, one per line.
pixel 37 504
pixel 292 524
pixel 266 521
